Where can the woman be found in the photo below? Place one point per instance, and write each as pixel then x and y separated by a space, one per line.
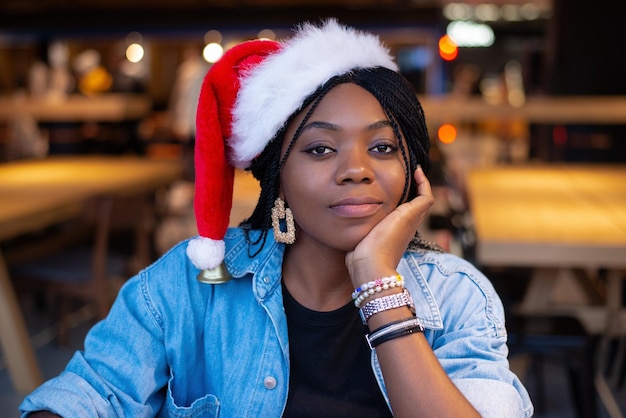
pixel 330 255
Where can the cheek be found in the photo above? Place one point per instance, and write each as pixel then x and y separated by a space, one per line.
pixel 300 186
pixel 394 183
pixel 303 188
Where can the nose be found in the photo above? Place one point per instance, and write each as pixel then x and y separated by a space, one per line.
pixel 353 166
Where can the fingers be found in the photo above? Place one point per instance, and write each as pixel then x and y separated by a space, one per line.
pixel 412 213
pixel 390 238
pixel 423 185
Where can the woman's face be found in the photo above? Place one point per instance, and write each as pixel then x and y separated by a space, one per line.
pixel 345 172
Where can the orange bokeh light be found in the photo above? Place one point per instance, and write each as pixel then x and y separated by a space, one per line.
pixel 446 133
pixel 448 49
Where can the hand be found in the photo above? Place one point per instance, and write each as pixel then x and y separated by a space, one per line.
pixel 379 253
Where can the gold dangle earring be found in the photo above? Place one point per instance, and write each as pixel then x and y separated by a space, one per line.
pixel 280 212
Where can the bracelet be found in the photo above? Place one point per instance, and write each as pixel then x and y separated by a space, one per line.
pixel 397 300
pixel 373 343
pixel 377 330
pixel 368 289
pixel 394 330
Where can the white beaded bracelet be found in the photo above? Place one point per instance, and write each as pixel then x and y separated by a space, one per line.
pixel 368 289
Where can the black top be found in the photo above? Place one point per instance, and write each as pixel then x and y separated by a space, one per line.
pixel 331 373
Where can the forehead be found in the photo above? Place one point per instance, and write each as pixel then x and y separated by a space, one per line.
pixel 344 102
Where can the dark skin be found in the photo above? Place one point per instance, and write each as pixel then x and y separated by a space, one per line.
pixel 343 181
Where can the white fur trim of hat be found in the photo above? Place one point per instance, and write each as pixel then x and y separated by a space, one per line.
pixel 278 86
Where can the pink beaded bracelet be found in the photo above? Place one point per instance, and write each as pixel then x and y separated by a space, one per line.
pixel 368 289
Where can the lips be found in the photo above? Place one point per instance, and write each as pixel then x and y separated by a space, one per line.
pixel 356 207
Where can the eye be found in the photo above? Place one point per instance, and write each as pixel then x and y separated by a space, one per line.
pixel 384 148
pixel 319 150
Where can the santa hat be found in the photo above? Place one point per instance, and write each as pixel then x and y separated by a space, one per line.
pixel 247 97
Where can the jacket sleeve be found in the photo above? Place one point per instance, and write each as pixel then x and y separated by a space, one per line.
pixel 121 370
pixel 471 345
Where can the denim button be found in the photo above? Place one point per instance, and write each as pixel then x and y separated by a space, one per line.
pixel 269 382
pixel 266 279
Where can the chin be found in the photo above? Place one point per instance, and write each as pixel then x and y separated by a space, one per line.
pixel 349 239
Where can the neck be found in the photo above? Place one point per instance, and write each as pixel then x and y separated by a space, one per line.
pixel 317 279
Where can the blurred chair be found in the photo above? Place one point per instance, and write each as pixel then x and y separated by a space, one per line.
pixel 561 341
pixel 75 262
pixel 611 376
pixel 537 340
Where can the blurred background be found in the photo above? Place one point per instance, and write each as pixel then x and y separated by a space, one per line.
pixel 503 51
pixel 534 85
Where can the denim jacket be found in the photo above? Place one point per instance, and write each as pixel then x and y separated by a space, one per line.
pixel 174 347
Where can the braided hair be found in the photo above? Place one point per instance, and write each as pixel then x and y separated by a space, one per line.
pixel 399 102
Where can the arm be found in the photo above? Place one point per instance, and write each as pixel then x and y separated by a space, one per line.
pixel 419 387
pixel 121 368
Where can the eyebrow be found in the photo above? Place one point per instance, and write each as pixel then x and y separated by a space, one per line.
pixel 332 127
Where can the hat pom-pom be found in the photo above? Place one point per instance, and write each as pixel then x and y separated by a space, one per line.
pixel 206 253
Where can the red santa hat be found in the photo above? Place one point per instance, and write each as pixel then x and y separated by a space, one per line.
pixel 247 97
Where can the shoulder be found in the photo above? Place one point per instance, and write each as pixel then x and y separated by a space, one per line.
pixel 169 280
pixel 457 287
pixel 445 269
pixel 172 268
pixel 170 285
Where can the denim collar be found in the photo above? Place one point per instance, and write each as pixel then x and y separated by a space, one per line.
pixel 266 267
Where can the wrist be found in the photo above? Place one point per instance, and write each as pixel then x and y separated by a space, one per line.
pixel 366 274
pixel 382 286
pixel 393 330
pixel 385 317
pixel 382 293
pixel 382 304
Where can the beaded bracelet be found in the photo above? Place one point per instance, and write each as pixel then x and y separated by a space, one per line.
pixel 368 289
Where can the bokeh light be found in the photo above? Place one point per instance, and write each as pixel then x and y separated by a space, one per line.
pixel 447 133
pixel 448 49
pixel 212 52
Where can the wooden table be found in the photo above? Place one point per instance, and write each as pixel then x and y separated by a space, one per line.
pixel 566 222
pixel 568 109
pixel 550 215
pixel 39 193
pixel 107 107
